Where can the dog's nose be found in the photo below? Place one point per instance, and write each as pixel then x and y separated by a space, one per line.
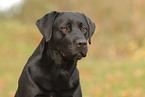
pixel 81 43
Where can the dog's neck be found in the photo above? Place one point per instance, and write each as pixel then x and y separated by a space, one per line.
pixel 53 57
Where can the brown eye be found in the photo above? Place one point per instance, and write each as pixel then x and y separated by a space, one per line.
pixel 64 28
pixel 84 29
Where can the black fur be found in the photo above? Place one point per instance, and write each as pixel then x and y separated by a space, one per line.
pixel 51 70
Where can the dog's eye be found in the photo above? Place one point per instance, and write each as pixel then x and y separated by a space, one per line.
pixel 84 29
pixel 64 28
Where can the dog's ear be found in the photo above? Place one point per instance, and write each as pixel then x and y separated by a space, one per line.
pixel 45 24
pixel 91 27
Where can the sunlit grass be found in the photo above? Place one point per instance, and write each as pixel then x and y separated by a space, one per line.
pixel 112 78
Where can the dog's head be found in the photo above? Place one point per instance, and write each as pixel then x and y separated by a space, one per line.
pixel 69 31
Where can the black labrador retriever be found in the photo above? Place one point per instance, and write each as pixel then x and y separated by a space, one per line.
pixel 51 70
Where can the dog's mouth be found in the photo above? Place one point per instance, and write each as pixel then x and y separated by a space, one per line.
pixel 77 56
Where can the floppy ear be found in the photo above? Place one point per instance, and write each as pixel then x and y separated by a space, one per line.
pixel 91 27
pixel 45 24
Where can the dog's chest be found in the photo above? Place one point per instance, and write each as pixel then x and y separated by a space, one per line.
pixel 52 81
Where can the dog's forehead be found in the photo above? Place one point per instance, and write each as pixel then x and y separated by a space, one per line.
pixel 70 16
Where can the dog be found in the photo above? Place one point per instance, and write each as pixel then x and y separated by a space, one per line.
pixel 51 70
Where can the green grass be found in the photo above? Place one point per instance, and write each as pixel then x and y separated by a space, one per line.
pixel 112 78
pixel 99 77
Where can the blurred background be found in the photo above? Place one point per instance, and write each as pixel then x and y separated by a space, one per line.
pixel 115 64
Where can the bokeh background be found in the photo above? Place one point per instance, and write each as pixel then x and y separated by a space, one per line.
pixel 115 64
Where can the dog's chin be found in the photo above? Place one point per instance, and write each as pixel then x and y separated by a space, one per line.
pixel 77 56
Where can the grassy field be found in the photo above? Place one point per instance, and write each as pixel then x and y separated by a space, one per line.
pixel 99 77
pixel 112 78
